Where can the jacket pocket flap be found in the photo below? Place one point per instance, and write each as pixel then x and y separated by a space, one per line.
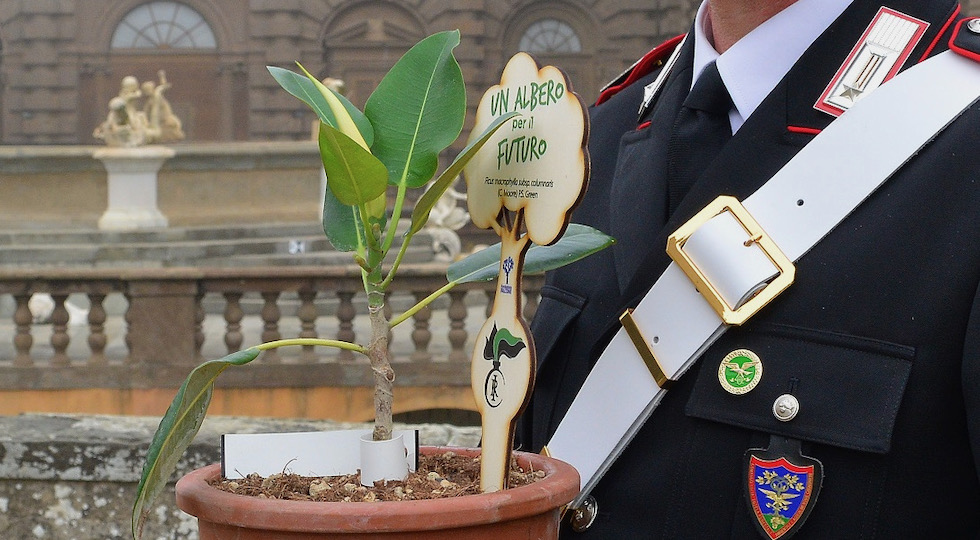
pixel 849 388
pixel 562 308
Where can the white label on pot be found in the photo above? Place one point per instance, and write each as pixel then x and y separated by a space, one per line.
pixel 314 453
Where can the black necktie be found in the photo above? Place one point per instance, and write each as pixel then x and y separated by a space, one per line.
pixel 702 128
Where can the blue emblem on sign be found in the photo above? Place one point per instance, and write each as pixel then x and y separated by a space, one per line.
pixel 507 266
pixel 782 486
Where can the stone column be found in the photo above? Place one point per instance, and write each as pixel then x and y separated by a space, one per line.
pixel 162 318
pixel 132 182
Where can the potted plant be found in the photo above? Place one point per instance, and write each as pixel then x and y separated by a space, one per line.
pixel 415 113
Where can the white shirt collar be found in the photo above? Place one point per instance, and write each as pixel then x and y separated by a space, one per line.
pixel 753 66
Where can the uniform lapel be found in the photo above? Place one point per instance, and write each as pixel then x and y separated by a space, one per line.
pixel 638 201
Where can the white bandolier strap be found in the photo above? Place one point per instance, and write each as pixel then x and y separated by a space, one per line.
pixel 741 255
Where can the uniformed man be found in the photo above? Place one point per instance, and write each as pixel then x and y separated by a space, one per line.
pixel 850 405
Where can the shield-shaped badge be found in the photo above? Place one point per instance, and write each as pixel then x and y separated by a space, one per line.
pixel 781 486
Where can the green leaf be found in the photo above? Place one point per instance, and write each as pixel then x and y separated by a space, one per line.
pixel 354 175
pixel 176 431
pixel 578 242
pixel 417 110
pixel 306 90
pixel 341 224
pixel 420 215
pixel 377 211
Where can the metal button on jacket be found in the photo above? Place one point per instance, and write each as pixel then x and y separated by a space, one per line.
pixel 584 516
pixel 785 407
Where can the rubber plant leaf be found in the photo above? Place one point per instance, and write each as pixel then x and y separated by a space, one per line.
pixel 345 122
pixel 377 211
pixel 176 431
pixel 579 241
pixel 341 224
pixel 354 175
pixel 417 110
pixel 304 88
pixel 425 204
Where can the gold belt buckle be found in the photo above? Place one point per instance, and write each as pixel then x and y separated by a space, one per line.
pixel 732 315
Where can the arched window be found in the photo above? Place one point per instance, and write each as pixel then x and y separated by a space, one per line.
pixel 550 36
pixel 163 25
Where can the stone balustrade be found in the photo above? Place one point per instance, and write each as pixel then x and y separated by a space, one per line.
pixel 144 329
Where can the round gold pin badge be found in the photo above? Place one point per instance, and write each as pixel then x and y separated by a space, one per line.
pixel 740 371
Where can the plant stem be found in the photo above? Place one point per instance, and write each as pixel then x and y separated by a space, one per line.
pixel 421 304
pixel 372 242
pixel 384 376
pixel 390 234
pixel 396 213
pixel 312 341
pixel 379 355
pixel 398 259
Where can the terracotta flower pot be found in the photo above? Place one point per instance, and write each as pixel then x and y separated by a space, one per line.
pixel 530 511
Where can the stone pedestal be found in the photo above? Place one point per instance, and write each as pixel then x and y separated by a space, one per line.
pixel 132 183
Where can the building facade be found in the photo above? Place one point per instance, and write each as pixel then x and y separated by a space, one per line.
pixel 61 61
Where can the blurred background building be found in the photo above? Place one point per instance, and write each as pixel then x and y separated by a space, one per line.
pixel 62 60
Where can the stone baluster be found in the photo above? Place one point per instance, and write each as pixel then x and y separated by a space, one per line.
pixel 199 316
pixel 421 335
pixel 307 324
pixel 59 333
pixel 128 336
pixel 22 338
pixel 345 315
pixel 270 327
pixel 233 321
pixel 457 326
pixel 96 329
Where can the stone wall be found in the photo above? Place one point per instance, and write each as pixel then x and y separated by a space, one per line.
pixel 203 184
pixel 70 477
pixel 59 68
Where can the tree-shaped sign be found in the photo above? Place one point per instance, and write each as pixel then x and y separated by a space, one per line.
pixel 530 175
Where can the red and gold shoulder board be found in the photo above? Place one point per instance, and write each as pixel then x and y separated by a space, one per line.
pixel 966 38
pixel 644 66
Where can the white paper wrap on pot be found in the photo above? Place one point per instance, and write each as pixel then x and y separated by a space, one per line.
pixel 383 460
pixel 315 453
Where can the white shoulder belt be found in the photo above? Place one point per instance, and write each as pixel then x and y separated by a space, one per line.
pixel 740 255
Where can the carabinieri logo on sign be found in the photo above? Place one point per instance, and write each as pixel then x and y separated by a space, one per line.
pixel 779 493
pixel 499 343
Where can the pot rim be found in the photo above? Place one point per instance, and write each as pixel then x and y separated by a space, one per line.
pixel 561 484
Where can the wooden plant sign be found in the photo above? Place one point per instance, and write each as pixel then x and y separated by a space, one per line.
pixel 523 184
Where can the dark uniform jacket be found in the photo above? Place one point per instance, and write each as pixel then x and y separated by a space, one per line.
pixel 878 338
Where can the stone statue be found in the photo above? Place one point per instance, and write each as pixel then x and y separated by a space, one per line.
pixel 337 85
pixel 445 218
pixel 125 125
pixel 128 125
pixel 163 125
